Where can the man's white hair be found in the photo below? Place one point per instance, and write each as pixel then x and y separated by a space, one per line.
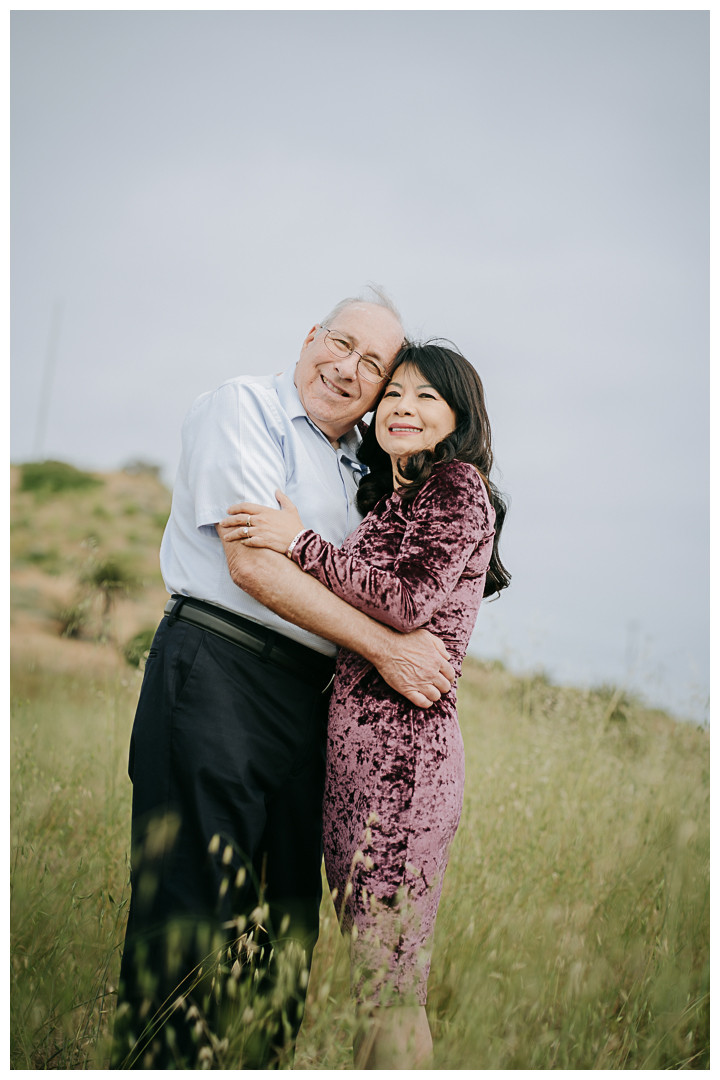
pixel 372 294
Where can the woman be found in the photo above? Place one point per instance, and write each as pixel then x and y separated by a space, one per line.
pixel 425 555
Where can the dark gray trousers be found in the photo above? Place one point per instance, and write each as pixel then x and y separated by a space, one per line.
pixel 223 745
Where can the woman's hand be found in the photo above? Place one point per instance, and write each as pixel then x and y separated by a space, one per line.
pixel 260 526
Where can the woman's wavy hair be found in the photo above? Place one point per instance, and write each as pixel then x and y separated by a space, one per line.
pixel 457 381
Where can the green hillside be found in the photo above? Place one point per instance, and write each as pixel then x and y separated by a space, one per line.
pixel 574 925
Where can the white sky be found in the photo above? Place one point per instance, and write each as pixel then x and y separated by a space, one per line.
pixel 199 188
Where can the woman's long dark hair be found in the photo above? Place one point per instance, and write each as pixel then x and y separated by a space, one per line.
pixel 457 381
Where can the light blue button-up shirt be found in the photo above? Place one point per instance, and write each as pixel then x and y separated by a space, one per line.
pixel 240 443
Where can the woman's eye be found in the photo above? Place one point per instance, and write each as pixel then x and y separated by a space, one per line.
pixel 392 393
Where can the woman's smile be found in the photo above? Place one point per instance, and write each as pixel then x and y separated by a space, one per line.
pixel 403 429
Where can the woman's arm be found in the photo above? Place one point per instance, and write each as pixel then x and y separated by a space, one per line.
pixel 450 517
pixel 416 665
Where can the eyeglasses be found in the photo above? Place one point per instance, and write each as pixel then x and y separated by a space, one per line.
pixel 367 368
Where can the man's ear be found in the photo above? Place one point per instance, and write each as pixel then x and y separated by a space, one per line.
pixel 311 335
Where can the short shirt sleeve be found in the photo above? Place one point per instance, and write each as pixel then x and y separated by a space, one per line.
pixel 233 442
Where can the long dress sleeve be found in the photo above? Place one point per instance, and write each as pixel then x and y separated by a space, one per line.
pixel 449 517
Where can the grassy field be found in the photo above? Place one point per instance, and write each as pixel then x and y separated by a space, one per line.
pixel 574 926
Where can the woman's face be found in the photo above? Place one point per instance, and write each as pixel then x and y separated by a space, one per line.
pixel 411 415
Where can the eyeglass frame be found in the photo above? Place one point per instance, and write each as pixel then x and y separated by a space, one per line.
pixel 372 360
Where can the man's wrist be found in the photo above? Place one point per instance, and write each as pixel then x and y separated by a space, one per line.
pixel 378 643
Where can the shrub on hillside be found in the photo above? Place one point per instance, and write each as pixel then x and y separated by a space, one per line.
pixel 74 619
pixel 136 648
pixel 48 559
pixel 110 577
pixel 50 477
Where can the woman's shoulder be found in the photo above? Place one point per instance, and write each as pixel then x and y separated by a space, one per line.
pixel 455 475
pixel 460 486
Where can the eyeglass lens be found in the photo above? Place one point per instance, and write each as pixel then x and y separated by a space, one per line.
pixel 367 368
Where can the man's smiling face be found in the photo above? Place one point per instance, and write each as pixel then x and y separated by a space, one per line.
pixel 334 395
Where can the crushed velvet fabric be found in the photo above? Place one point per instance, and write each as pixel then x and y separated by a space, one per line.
pixel 395 772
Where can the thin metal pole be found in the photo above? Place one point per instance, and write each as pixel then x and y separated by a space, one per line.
pixel 46 389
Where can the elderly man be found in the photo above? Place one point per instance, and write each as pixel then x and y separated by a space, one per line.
pixel 227 749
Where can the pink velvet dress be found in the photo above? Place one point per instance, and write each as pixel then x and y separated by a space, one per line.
pixel 395 772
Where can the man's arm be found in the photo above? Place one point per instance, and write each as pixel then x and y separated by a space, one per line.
pixel 414 664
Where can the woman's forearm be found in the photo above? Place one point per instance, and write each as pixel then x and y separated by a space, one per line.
pixel 414 664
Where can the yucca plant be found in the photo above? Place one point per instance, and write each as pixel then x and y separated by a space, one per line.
pixel 109 578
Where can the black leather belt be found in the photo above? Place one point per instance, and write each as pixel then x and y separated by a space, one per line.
pixel 273 648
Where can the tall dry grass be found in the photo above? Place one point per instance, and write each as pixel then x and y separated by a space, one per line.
pixel 573 930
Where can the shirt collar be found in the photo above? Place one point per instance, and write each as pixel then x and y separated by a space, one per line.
pixel 288 395
pixel 293 406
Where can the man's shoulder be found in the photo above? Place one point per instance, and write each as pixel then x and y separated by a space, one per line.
pixel 245 385
pixel 243 390
pixel 265 382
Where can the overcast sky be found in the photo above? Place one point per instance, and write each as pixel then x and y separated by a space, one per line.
pixel 197 189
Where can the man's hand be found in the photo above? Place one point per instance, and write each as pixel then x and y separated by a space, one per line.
pixel 261 526
pixel 417 666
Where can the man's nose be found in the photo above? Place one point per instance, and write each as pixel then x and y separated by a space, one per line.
pixel 346 366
